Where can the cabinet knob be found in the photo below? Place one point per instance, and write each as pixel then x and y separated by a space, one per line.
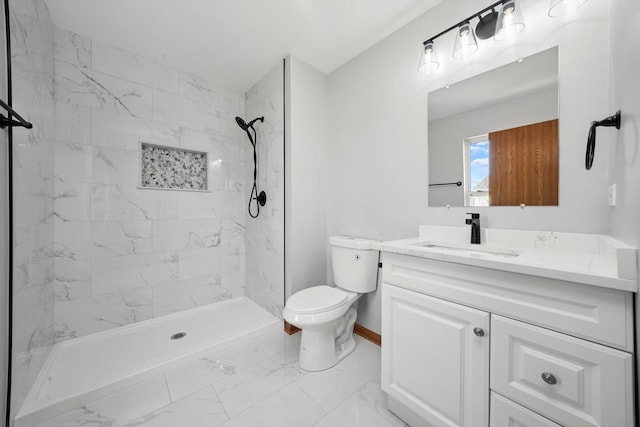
pixel 478 331
pixel 549 378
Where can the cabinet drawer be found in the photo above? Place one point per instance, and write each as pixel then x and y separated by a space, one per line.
pixel 505 413
pixel 597 314
pixel 571 381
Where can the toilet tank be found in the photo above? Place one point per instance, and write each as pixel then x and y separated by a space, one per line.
pixel 355 263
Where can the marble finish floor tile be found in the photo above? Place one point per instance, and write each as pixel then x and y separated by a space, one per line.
pixel 202 408
pixel 256 382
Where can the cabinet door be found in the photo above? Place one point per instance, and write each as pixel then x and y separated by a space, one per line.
pixel 433 361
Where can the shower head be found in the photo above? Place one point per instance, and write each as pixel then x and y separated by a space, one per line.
pixel 245 126
pixel 242 124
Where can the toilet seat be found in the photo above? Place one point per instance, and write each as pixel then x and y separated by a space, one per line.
pixel 316 299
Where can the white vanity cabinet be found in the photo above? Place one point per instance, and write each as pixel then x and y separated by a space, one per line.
pixel 560 352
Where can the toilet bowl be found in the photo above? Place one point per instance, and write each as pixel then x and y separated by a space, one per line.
pixel 327 314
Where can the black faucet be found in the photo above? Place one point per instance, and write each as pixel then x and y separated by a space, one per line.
pixel 474 221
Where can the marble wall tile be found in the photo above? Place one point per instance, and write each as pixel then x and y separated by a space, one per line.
pixel 72 240
pixel 72 280
pixel 33 161
pixel 130 66
pixel 123 254
pixel 72 201
pixel 265 234
pixel 195 87
pixel 228 126
pixel 34 198
pixel 72 48
pixel 171 108
pixel 32 310
pixel 73 162
pixel 185 294
pixel 235 283
pixel 233 234
pixel 225 166
pixel 186 234
pixel 133 271
pixel 77 85
pixel 114 166
pixel 84 316
pixel 232 259
pixel 193 139
pixel 31 39
pixel 116 238
pixel 72 123
pixel 200 262
pixel 116 130
pixel 119 202
pixel 33 156
pixel 216 204
pixel 32 92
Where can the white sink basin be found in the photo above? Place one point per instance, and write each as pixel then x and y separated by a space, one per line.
pixel 470 249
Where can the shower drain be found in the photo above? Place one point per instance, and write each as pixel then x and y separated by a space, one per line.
pixel 178 335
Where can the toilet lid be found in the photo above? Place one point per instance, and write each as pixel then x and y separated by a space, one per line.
pixel 316 299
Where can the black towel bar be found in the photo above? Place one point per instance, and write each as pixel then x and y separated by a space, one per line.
pixel 458 183
pixel 8 121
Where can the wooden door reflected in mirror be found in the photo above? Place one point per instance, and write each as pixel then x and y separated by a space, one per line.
pixel 523 165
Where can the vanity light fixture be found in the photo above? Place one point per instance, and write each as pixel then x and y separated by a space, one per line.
pixel 562 7
pixel 510 22
pixel 466 44
pixel 429 59
pixel 507 21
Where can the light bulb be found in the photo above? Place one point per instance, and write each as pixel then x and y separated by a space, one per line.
pixel 466 43
pixel 428 58
pixel 510 22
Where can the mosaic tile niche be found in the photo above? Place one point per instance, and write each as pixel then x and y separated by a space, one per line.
pixel 172 168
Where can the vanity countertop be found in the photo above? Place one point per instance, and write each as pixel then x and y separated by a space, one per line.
pixel 592 259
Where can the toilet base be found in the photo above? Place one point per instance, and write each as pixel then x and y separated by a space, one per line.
pixel 322 348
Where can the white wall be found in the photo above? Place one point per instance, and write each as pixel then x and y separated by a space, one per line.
pixel 625 149
pixel 306 172
pixel 378 127
pixel 446 161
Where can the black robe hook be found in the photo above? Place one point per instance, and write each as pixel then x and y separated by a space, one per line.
pixel 591 139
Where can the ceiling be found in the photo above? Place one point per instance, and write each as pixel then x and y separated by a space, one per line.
pixel 236 42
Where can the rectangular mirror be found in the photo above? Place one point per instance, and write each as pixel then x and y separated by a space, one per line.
pixel 493 138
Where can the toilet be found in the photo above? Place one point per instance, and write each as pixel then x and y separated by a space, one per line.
pixel 327 314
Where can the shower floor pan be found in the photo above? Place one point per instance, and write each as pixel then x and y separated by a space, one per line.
pixel 93 366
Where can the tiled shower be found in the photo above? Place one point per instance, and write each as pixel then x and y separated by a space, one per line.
pixel 93 250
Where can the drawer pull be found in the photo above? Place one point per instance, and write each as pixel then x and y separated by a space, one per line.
pixel 478 331
pixel 549 378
